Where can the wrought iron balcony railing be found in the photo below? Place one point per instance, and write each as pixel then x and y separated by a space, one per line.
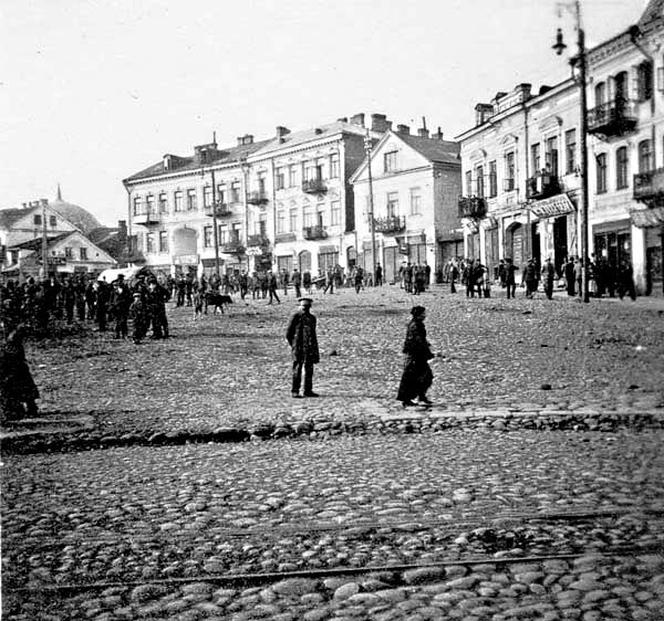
pixel 314 186
pixel 390 224
pixel 147 218
pixel 472 207
pixel 233 247
pixel 614 118
pixel 649 185
pixel 258 240
pixel 542 185
pixel 222 210
pixel 257 198
pixel 314 232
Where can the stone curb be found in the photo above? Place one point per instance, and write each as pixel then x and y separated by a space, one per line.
pixel 420 421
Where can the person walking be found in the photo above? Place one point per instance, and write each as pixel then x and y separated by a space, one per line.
pixel 156 297
pixel 549 274
pixel 417 376
pixel 302 339
pixel 18 390
pixel 272 288
pixel 510 278
pixel 530 278
pixel 569 275
pixel 358 277
pixel 626 280
pixel 329 281
pixel 379 275
pixel 296 279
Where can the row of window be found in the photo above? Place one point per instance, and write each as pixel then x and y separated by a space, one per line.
pixel 392 203
pixel 82 253
pixel 287 221
pixel 645 163
pixel 618 85
pixel 37 220
pixel 312 170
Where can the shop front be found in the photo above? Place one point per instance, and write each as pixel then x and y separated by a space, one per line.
pixel 651 221
pixel 612 241
pixel 554 230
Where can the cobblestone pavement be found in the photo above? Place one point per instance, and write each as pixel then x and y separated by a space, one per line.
pixel 545 439
pixel 233 370
pixel 187 512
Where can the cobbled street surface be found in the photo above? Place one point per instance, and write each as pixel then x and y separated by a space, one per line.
pixel 458 523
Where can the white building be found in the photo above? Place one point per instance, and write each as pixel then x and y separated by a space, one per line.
pixel 414 189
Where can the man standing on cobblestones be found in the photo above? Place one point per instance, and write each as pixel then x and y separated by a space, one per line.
pixel 301 336
pixel 417 376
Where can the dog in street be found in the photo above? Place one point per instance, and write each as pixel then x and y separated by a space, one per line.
pixel 218 301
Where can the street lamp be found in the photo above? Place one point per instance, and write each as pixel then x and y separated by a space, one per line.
pixel 580 61
pixel 368 148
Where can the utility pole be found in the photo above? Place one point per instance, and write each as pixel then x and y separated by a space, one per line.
pixel 368 147
pixel 44 251
pixel 214 224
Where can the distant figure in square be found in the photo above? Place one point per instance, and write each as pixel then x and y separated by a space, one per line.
pixel 301 336
pixel 18 390
pixel 417 376
pixel 139 318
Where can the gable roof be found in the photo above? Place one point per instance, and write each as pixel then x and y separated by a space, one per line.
pixel 9 216
pixel 182 164
pixel 36 243
pixel 440 151
pixel 654 10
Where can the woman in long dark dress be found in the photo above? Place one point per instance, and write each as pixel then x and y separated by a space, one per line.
pixel 417 375
pixel 18 391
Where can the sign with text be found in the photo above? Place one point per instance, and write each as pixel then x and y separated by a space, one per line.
pixel 552 207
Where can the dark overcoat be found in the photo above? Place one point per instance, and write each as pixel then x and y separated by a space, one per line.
pixel 417 376
pixel 301 336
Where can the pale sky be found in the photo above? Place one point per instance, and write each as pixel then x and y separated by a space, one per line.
pixel 92 91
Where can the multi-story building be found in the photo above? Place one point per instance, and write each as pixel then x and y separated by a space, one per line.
pixel 410 186
pixel 626 147
pixel 521 178
pixel 279 203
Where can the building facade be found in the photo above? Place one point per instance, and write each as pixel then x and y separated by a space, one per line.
pixel 278 204
pixel 409 185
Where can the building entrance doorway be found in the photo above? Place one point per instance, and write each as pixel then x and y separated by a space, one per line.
pixel 559 242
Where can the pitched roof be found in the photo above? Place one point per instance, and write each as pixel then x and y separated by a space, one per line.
pixel 442 151
pixel 36 243
pixel 9 216
pixel 180 164
pixel 654 10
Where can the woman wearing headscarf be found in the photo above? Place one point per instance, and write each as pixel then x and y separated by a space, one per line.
pixel 417 376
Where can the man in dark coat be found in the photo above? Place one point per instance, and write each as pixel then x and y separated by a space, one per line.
pixel 155 298
pixel 549 275
pixel 301 336
pixel 120 303
pixel 18 391
pixel 417 376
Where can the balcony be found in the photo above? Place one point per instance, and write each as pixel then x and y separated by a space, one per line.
pixel 257 198
pixel 390 224
pixel 147 218
pixel 258 240
pixel 222 210
pixel 541 186
pixel 472 207
pixel 314 232
pixel 614 118
pixel 649 185
pixel 314 186
pixel 285 237
pixel 233 247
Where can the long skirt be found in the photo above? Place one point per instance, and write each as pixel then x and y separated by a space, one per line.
pixel 416 379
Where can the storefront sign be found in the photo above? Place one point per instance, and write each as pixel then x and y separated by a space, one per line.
pixel 186 259
pixel 646 218
pixel 552 207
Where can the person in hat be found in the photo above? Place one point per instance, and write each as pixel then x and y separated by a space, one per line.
pixel 18 390
pixel 138 316
pixel 301 336
pixel 417 376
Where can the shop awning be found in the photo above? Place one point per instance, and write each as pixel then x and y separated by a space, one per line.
pixel 552 207
pixel 646 218
pixel 328 249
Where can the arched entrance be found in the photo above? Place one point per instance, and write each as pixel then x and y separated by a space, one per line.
pixel 185 250
pixel 351 257
pixel 304 259
pixel 514 243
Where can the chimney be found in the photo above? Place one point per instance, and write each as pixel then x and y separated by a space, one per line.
pixel 318 131
pixel 246 139
pixel 423 132
pixel 343 119
pixel 379 123
pixel 25 205
pixel 523 91
pixel 482 113
pixel 403 129
pixel 167 161
pixel 282 131
pixel 357 119
pixel 438 135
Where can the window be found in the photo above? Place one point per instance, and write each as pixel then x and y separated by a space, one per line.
pixel 207 196
pixel 149 243
pixel 334 166
pixel 52 221
pixel 83 254
pixel 335 213
pixel 570 151
pixel 191 200
pixel 292 220
pixel 479 181
pixel 281 222
pixel 644 81
pixel 319 169
pixel 163 203
pixel 551 156
pixel 600 94
pixel 261 183
pixel 292 176
pixel 280 179
pixel 235 192
pixel 645 156
pixel 308 217
pixel 37 220
pixel 535 158
pixel 163 241
pixel 208 232
pixel 137 205
pixel 222 234
pixel 390 161
pixel 622 164
pixel 69 252
pixel 469 183
pixel 178 200
pixel 415 201
pixel 493 179
pixel 600 162
pixel 320 214
pixel 235 233
pixel 221 193
pixel 510 172
pixel 392 204
pixel 309 171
